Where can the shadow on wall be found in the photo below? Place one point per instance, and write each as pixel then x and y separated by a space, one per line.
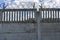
pixel 50 20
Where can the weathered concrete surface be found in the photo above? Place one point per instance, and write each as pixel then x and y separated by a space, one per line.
pixel 17 27
pixel 50 31
pixel 27 31
pixel 18 31
pixel 18 36
pixel 0 28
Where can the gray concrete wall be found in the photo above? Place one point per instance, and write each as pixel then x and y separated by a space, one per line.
pixel 50 31
pixel 28 31
pixel 18 31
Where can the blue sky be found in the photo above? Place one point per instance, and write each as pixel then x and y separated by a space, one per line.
pixel 1 1
pixel 47 3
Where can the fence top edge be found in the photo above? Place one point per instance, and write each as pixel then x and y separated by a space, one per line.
pixel 17 9
pixel 29 9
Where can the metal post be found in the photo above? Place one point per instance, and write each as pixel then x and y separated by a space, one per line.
pixel 38 24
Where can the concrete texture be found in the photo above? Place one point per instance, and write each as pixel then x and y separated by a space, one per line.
pixel 18 36
pixel 28 31
pixel 18 31
pixel 50 31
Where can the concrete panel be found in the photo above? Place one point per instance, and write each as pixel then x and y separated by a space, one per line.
pixel 18 31
pixel 0 28
pixel 50 31
pixel 18 27
pixel 18 36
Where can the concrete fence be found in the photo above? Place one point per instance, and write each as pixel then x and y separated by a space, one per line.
pixel 29 24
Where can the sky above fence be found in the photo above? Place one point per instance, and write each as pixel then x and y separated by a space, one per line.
pixel 45 3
